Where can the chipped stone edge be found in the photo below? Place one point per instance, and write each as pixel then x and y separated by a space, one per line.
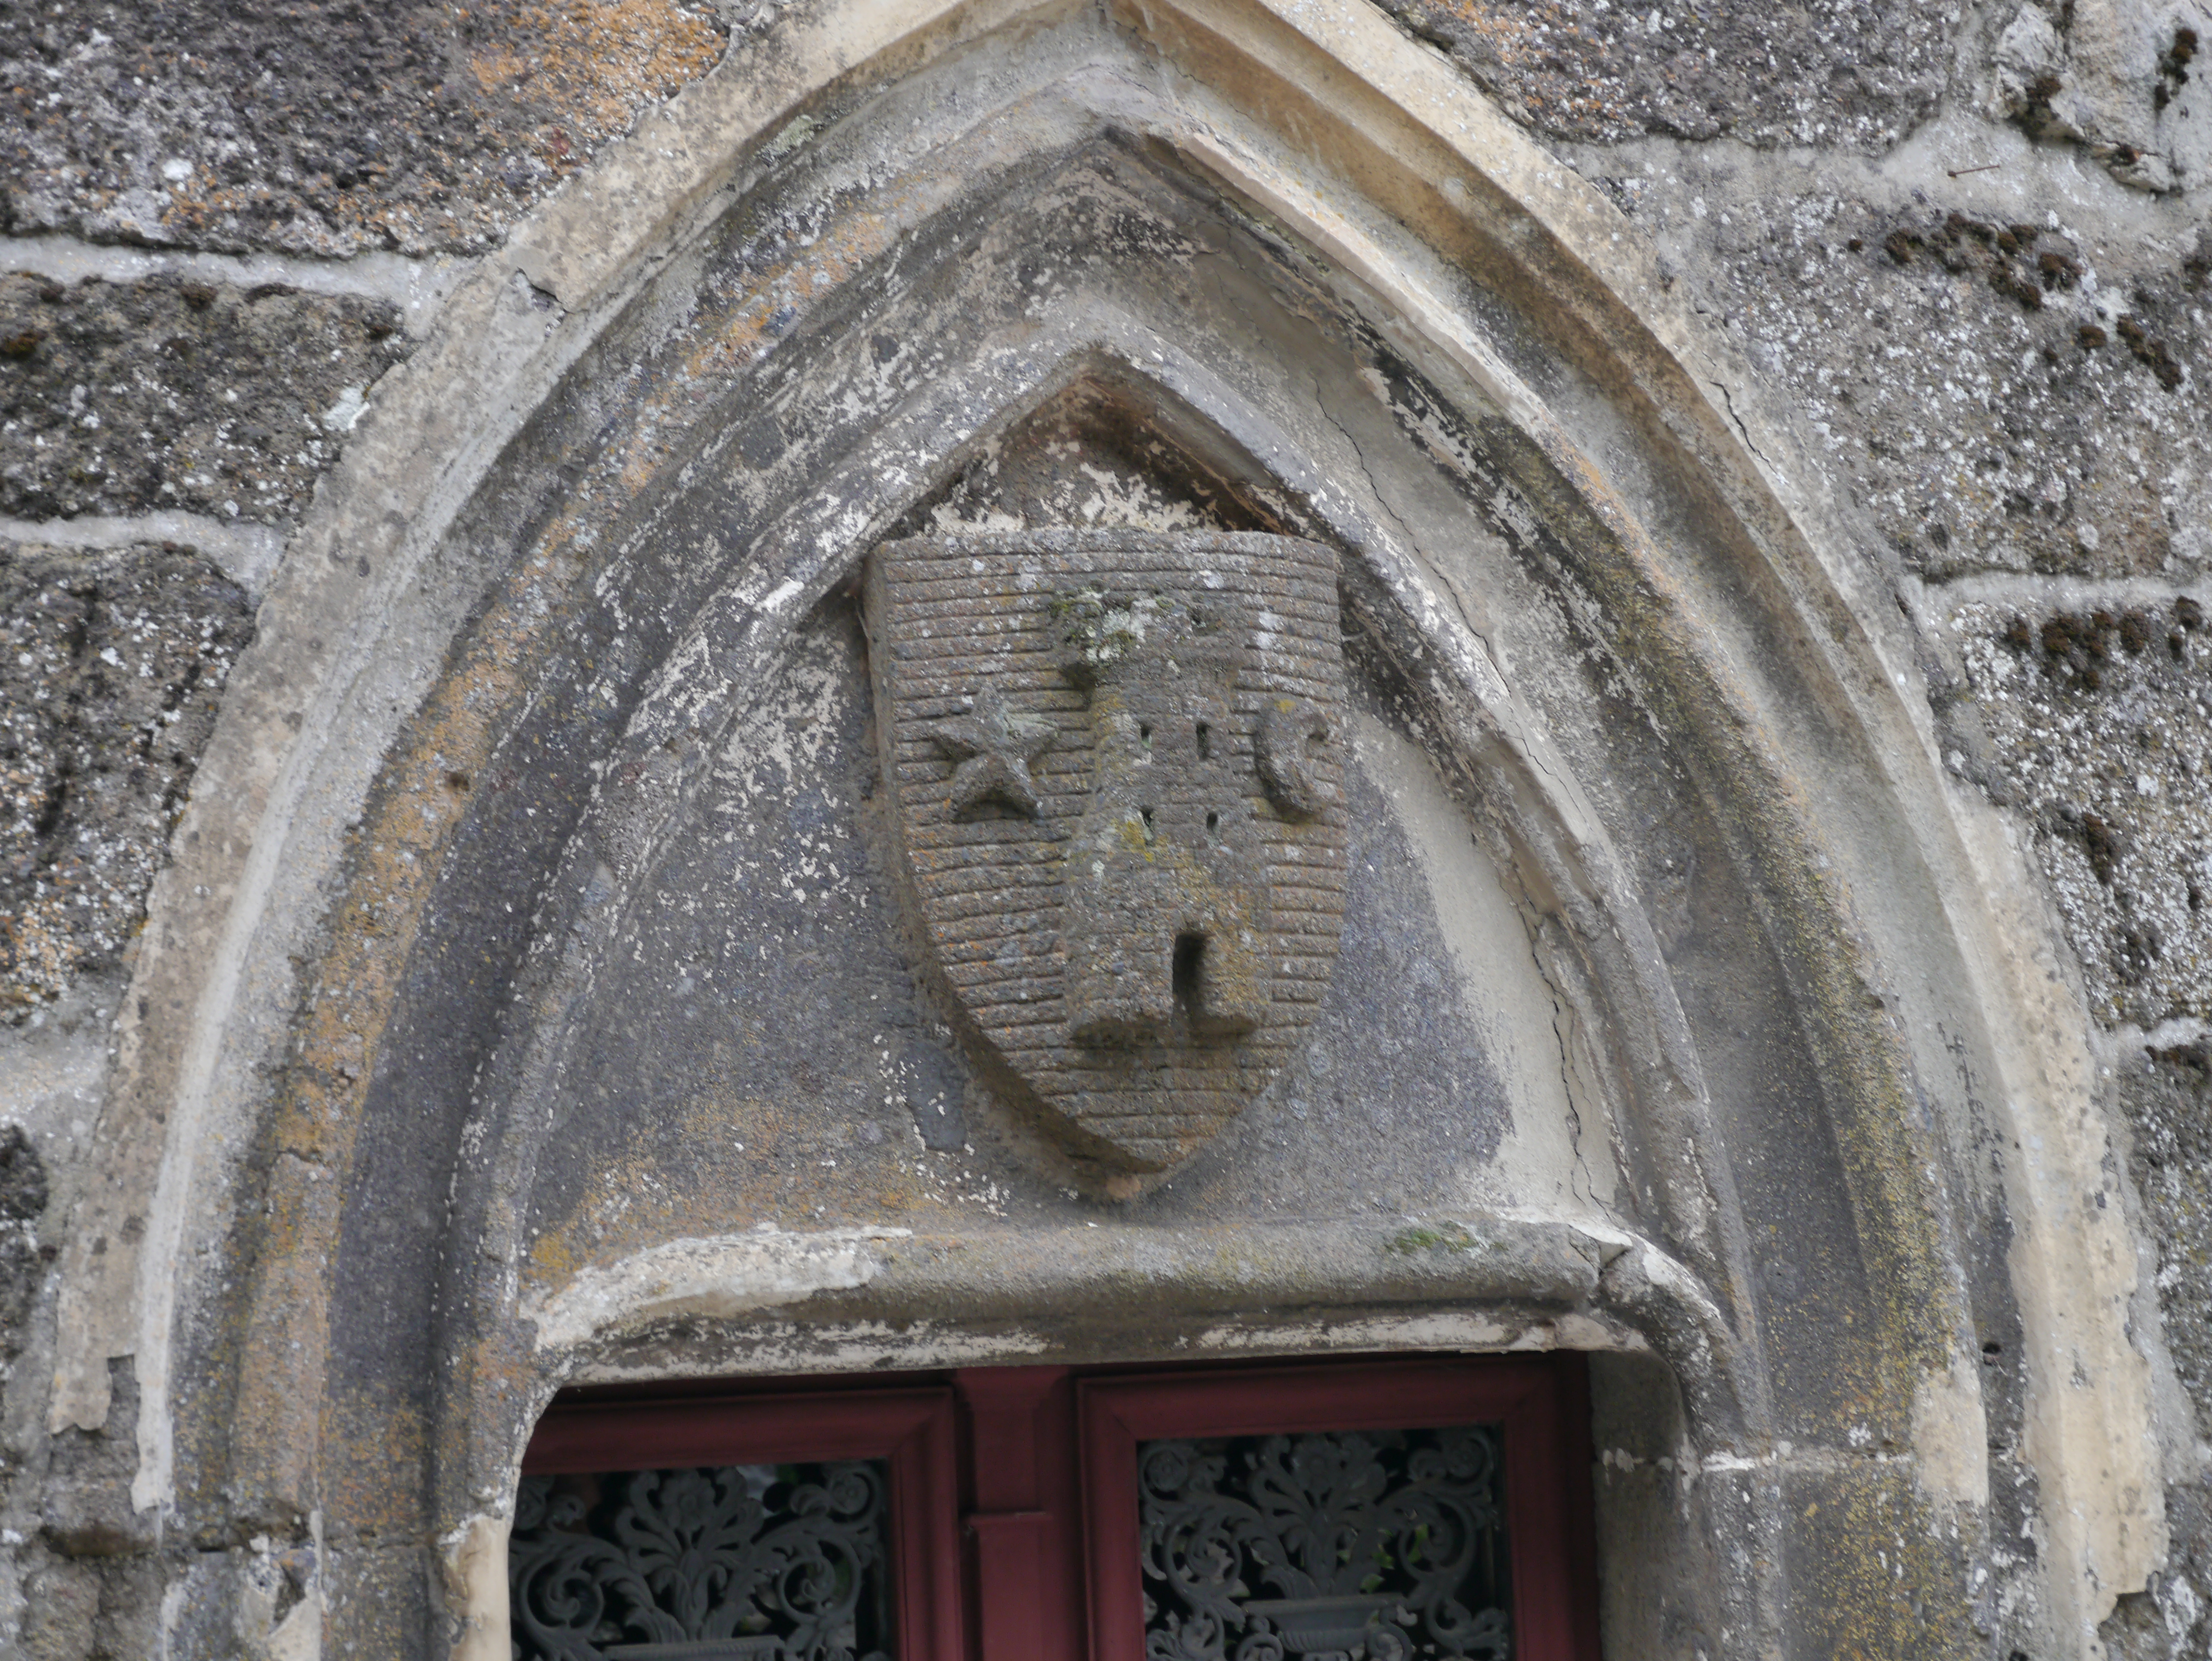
pixel 474 1559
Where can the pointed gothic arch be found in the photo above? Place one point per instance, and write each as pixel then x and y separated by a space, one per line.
pixel 588 519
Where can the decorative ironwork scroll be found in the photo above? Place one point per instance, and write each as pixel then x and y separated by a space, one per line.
pixel 743 1563
pixel 1386 1545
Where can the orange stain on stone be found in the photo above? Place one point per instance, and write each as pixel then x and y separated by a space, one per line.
pixel 398 848
pixel 572 75
pixel 595 62
pixel 1526 42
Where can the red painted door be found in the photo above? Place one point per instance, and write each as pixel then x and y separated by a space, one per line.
pixel 1399 1509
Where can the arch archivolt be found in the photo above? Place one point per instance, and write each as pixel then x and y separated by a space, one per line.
pixel 788 317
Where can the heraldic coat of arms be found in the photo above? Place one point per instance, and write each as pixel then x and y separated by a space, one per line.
pixel 1115 761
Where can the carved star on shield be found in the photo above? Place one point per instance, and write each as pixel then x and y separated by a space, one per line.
pixel 993 747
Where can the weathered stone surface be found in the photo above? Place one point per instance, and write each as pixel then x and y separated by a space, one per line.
pixel 23 1197
pixel 63 1606
pixel 110 670
pixel 118 397
pixel 2001 391
pixel 2166 1096
pixel 320 126
pixel 2098 720
pixel 1118 759
pixel 2005 390
pixel 1858 75
pixel 2122 79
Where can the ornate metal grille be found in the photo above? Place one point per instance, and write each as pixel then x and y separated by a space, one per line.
pixel 745 1563
pixel 1389 1545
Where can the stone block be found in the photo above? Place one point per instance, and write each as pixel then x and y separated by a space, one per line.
pixel 116 398
pixel 111 667
pixel 324 130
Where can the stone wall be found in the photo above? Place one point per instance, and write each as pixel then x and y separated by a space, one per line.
pixel 2165 1094
pixel 222 224
pixel 323 129
pixel 114 669
pixel 1970 247
pixel 1967 248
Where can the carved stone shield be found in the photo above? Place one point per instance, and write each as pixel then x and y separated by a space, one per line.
pixel 1115 760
